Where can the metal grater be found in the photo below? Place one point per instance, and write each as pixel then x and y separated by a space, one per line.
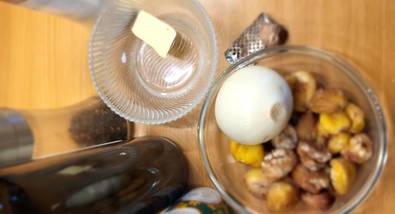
pixel 264 32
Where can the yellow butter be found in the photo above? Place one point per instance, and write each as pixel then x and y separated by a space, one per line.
pixel 153 31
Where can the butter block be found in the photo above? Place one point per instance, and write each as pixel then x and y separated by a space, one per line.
pixel 153 31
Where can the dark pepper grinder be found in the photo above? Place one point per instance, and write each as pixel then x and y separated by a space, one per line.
pixel 27 135
pixel 141 176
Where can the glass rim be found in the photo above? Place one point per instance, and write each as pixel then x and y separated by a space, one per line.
pixel 148 121
pixel 353 75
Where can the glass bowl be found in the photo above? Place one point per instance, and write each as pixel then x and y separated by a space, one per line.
pixel 227 175
pixel 133 80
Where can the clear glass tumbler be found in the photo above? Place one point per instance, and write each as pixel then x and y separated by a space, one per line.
pixel 133 80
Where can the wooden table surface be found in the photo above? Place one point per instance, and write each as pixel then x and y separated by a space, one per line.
pixel 43 61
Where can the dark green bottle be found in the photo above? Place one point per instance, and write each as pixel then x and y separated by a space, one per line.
pixel 141 176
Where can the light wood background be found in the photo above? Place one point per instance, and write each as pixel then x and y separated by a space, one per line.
pixel 43 61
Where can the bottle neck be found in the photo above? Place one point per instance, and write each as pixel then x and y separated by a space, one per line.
pixel 84 11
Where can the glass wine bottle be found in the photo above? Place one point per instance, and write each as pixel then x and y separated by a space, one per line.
pixel 141 176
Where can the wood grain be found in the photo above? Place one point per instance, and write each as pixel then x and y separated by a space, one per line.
pixel 43 61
